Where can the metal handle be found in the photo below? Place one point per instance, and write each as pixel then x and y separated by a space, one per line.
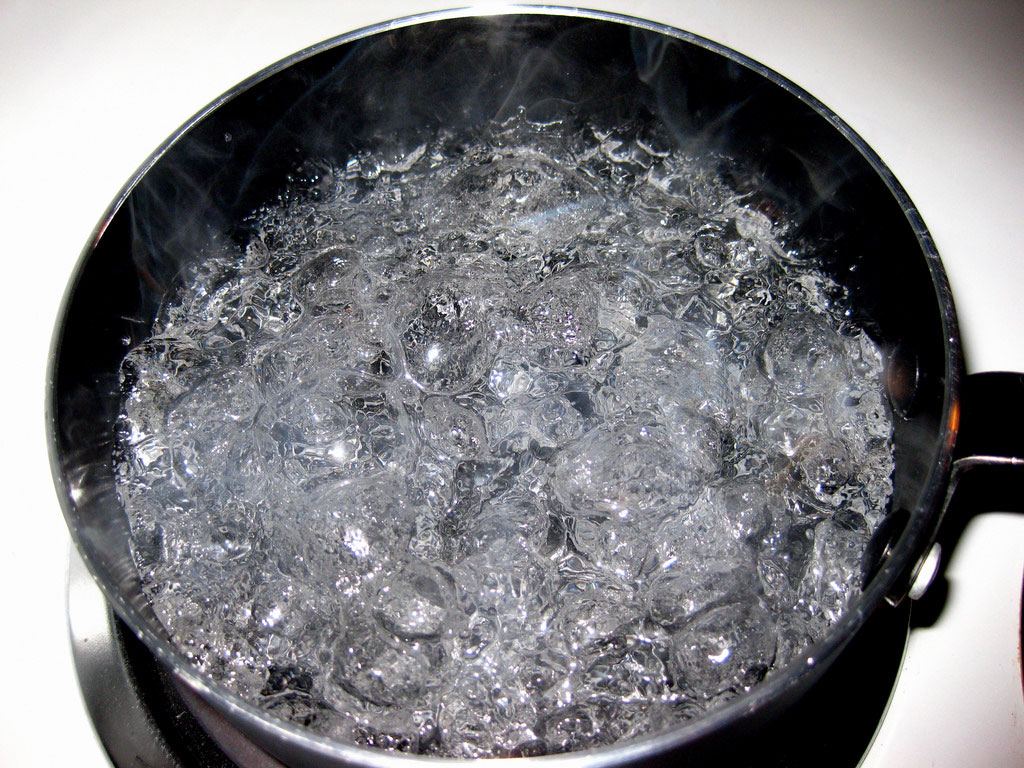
pixel 991 433
pixel 988 465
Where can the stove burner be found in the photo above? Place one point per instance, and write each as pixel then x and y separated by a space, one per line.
pixel 143 716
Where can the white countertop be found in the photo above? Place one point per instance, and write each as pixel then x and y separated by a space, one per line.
pixel 89 89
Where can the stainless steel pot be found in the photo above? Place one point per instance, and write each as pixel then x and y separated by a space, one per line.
pixel 455 69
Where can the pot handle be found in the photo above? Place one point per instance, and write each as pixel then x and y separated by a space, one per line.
pixel 988 465
pixel 991 434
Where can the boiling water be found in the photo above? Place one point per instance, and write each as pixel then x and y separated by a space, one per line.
pixel 515 443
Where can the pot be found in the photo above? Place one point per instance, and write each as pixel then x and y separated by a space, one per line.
pixel 457 70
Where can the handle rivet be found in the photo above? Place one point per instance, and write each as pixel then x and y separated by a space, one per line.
pixel 927 570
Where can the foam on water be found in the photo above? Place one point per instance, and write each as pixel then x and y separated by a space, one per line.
pixel 511 444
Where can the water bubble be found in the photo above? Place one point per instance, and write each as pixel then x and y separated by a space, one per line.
pixel 824 468
pixel 367 526
pixel 671 366
pixel 629 472
pixel 283 609
pixel 448 344
pixel 747 507
pixel 557 320
pixel 505 580
pixel 546 422
pixel 834 567
pixel 327 281
pixel 785 427
pixel 510 376
pixel 591 614
pixel 509 517
pixel 698 562
pixel 804 356
pixel 728 648
pixel 789 554
pixel 451 430
pixel 375 670
pixel 631 672
pixel 231 540
pixel 624 307
pixel 752 224
pixel 571 728
pixel 413 603
pixel 611 544
pixel 711 251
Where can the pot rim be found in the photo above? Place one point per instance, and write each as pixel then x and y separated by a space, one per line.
pixel 916 536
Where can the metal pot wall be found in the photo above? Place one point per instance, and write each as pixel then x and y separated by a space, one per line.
pixel 456 70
